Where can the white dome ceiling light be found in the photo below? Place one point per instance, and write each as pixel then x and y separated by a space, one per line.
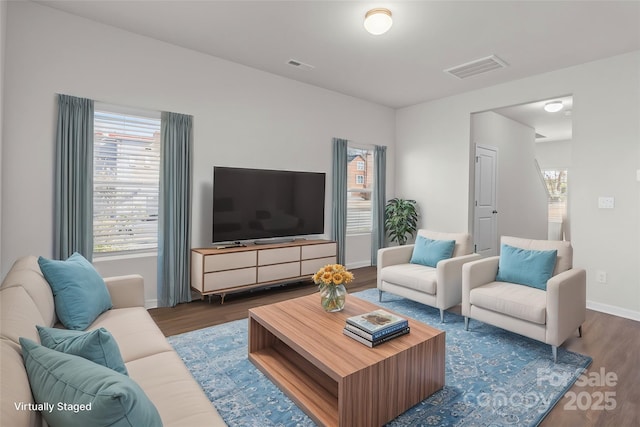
pixel 378 21
pixel 553 106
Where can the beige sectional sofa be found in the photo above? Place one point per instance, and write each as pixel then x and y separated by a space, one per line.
pixel 26 300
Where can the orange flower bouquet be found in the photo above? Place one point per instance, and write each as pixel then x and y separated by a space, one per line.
pixel 331 280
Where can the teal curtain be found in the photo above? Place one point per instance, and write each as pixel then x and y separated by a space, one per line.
pixel 378 201
pixel 73 211
pixel 339 198
pixel 174 219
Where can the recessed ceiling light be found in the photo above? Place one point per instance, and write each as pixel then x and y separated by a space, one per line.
pixel 378 21
pixel 553 106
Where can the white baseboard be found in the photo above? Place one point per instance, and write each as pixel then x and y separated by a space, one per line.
pixel 612 309
pixel 151 303
pixel 358 264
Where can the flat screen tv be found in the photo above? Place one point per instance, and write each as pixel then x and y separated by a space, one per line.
pixel 255 204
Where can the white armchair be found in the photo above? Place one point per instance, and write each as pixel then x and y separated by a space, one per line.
pixel 438 287
pixel 550 315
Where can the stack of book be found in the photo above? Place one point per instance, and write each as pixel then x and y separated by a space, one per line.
pixel 375 327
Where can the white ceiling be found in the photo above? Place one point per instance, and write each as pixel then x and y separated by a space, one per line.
pixel 400 68
pixel 549 126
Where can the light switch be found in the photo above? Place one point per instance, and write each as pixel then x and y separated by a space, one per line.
pixel 601 276
pixel 606 202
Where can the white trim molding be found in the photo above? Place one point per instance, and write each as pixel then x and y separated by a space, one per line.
pixel 119 256
pixel 150 303
pixel 612 309
pixel 358 264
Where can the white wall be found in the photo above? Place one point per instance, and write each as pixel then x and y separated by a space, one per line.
pixel 554 155
pixel 432 162
pixel 433 155
pixel 358 251
pixel 242 117
pixel 141 264
pixel 521 198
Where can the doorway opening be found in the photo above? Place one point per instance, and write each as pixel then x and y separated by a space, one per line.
pixel 533 165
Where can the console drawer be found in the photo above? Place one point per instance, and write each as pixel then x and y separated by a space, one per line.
pixel 311 266
pixel 278 256
pixel 278 272
pixel 319 251
pixel 229 261
pixel 229 279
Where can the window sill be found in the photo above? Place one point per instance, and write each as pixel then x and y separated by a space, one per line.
pixel 123 256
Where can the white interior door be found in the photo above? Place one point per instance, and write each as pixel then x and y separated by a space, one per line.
pixel 485 228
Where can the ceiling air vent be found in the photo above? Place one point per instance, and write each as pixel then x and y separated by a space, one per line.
pixel 301 65
pixel 476 67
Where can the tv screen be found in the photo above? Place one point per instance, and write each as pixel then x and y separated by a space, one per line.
pixel 261 204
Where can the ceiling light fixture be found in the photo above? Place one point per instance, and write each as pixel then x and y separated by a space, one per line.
pixel 553 106
pixel 378 21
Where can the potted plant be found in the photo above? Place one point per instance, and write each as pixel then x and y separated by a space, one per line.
pixel 400 219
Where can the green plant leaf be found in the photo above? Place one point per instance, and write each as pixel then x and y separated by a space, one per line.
pixel 401 219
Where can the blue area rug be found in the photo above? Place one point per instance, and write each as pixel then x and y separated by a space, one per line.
pixel 493 377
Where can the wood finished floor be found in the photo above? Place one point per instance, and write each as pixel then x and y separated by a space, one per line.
pixel 613 343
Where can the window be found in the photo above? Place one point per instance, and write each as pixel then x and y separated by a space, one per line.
pixel 556 181
pixel 126 180
pixel 359 190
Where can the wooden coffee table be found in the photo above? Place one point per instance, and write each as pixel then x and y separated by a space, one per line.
pixel 336 380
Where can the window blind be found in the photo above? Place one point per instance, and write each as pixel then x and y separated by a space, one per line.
pixel 126 181
pixel 359 215
pixel 359 190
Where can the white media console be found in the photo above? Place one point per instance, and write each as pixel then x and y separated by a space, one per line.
pixel 222 271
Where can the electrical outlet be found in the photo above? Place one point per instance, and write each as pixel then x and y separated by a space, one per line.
pixel 601 276
pixel 606 202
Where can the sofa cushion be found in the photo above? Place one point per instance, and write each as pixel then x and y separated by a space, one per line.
pixel 97 345
pixel 464 242
pixel 19 315
pixel 26 272
pixel 525 267
pixel 135 332
pixel 95 395
pixel 564 261
pixel 170 386
pixel 522 302
pixel 414 276
pixel 15 388
pixel 429 252
pixel 79 291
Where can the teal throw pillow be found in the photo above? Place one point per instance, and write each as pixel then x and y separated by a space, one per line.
pixel 82 393
pixel 99 346
pixel 526 267
pixel 79 292
pixel 429 252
